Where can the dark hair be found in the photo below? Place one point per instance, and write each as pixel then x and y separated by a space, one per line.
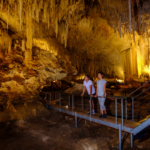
pixel 87 76
pixel 100 73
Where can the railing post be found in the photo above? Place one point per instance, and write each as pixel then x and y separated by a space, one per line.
pixel 50 98
pixel 126 109
pixel 90 108
pixel 60 101
pixel 82 103
pixel 120 137
pixel 116 110
pixel 72 103
pixel 131 136
pixel 75 119
pixel 69 100
pixel 132 109
pixel 55 97
pixel 122 111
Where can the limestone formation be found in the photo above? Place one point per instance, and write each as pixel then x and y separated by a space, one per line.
pixel 44 40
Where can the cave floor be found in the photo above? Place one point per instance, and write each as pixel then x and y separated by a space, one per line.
pixel 56 131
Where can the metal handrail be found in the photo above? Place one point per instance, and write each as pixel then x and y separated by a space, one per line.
pixel 122 98
pixel 108 96
pixel 142 92
pixel 129 95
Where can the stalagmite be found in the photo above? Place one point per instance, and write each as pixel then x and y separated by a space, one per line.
pixel 130 16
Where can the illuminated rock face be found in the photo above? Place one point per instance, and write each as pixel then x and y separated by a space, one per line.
pixel 50 40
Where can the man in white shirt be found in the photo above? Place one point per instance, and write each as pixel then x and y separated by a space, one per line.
pixel 88 84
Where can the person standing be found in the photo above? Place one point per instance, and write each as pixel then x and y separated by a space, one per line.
pixel 88 84
pixel 101 93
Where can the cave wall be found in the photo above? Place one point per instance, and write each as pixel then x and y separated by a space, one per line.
pixel 47 40
pixel 78 37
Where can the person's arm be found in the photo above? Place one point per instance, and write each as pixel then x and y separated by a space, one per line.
pixel 83 91
pixel 104 90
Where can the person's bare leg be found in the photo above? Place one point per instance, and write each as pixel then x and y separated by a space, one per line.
pixel 105 112
pixel 102 112
pixel 91 104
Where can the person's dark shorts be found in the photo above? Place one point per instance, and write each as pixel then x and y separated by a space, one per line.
pixel 92 98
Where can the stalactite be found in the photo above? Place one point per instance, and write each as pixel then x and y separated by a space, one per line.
pixel 9 48
pixel 15 7
pixel 1 4
pixel 28 52
pixel 52 3
pixel 41 4
pixel 120 26
pixel 56 26
pixel 142 28
pixel 134 32
pixel 23 45
pixel 7 16
pixel 37 12
pixel 139 18
pixel 32 11
pixel 66 35
pixel 48 19
pixel 59 16
pixel 45 12
pixel 20 13
pixel 130 16
pixel 9 2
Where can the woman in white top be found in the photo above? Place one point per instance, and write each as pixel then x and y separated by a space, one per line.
pixel 101 93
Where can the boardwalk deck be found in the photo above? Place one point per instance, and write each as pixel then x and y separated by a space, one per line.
pixel 111 119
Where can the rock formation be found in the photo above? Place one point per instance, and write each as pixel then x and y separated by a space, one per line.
pixel 44 40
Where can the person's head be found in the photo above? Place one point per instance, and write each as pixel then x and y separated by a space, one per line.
pixel 87 77
pixel 100 75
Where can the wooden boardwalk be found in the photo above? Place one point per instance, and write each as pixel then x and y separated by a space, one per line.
pixel 111 119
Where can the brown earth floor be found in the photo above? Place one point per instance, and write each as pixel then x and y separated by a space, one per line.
pixel 56 131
